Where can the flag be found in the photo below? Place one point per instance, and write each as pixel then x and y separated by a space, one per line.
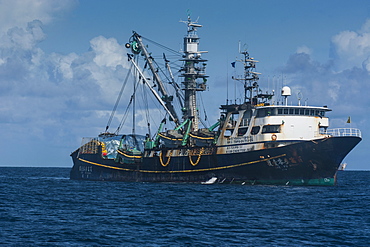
pixel 233 64
pixel 349 120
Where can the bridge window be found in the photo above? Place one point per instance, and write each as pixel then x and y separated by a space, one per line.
pixel 246 118
pixel 255 130
pixel 290 111
pixel 271 129
pixel 242 131
pixel 266 112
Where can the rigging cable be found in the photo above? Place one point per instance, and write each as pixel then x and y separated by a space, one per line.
pixel 118 100
pixel 146 107
pixel 204 109
pixel 127 108
pixel 124 117
pixel 156 112
pixel 162 46
pixel 201 120
pixel 179 93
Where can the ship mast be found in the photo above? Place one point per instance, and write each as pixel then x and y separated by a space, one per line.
pixel 192 70
pixel 250 78
pixel 252 93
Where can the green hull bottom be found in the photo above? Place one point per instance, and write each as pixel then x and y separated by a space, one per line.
pixel 294 182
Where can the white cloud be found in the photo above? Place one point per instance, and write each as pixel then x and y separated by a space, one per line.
pixel 352 48
pixel 365 27
pixel 17 13
pixel 63 65
pixel 333 90
pixel 304 49
pixel 108 52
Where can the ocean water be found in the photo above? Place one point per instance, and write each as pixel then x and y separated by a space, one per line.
pixel 42 207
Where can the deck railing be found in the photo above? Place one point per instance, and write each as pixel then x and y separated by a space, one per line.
pixel 342 132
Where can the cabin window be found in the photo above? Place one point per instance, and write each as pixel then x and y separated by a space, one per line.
pixel 246 118
pixel 228 133
pixel 231 123
pixel 271 129
pixel 290 111
pixel 261 113
pixel 255 130
pixel 244 122
pixel 242 131
pixel 267 112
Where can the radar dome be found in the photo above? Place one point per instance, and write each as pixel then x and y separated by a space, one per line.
pixel 286 91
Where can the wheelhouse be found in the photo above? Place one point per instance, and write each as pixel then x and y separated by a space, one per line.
pixel 292 111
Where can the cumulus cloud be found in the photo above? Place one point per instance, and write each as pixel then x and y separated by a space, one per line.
pixel 304 49
pixel 352 48
pixel 108 52
pixel 322 83
pixel 17 13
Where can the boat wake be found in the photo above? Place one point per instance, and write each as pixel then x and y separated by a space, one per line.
pixel 210 181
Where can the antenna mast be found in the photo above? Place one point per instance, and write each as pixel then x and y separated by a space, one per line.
pixel 250 78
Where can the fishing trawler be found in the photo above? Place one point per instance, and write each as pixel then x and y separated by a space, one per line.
pixel 255 141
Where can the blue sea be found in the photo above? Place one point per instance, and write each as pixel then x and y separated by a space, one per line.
pixel 43 207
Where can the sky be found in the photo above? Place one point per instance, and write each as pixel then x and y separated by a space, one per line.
pixel 62 63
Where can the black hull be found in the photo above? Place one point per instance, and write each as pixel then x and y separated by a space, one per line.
pixel 304 163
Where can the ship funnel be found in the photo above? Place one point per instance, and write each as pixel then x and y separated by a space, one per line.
pixel 286 91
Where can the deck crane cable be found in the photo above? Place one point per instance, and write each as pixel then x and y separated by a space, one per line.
pixel 118 99
pixel 163 47
pixel 178 55
pixel 124 117
pixel 201 120
pixel 149 116
pixel 179 94
pixel 146 107
pixel 204 109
